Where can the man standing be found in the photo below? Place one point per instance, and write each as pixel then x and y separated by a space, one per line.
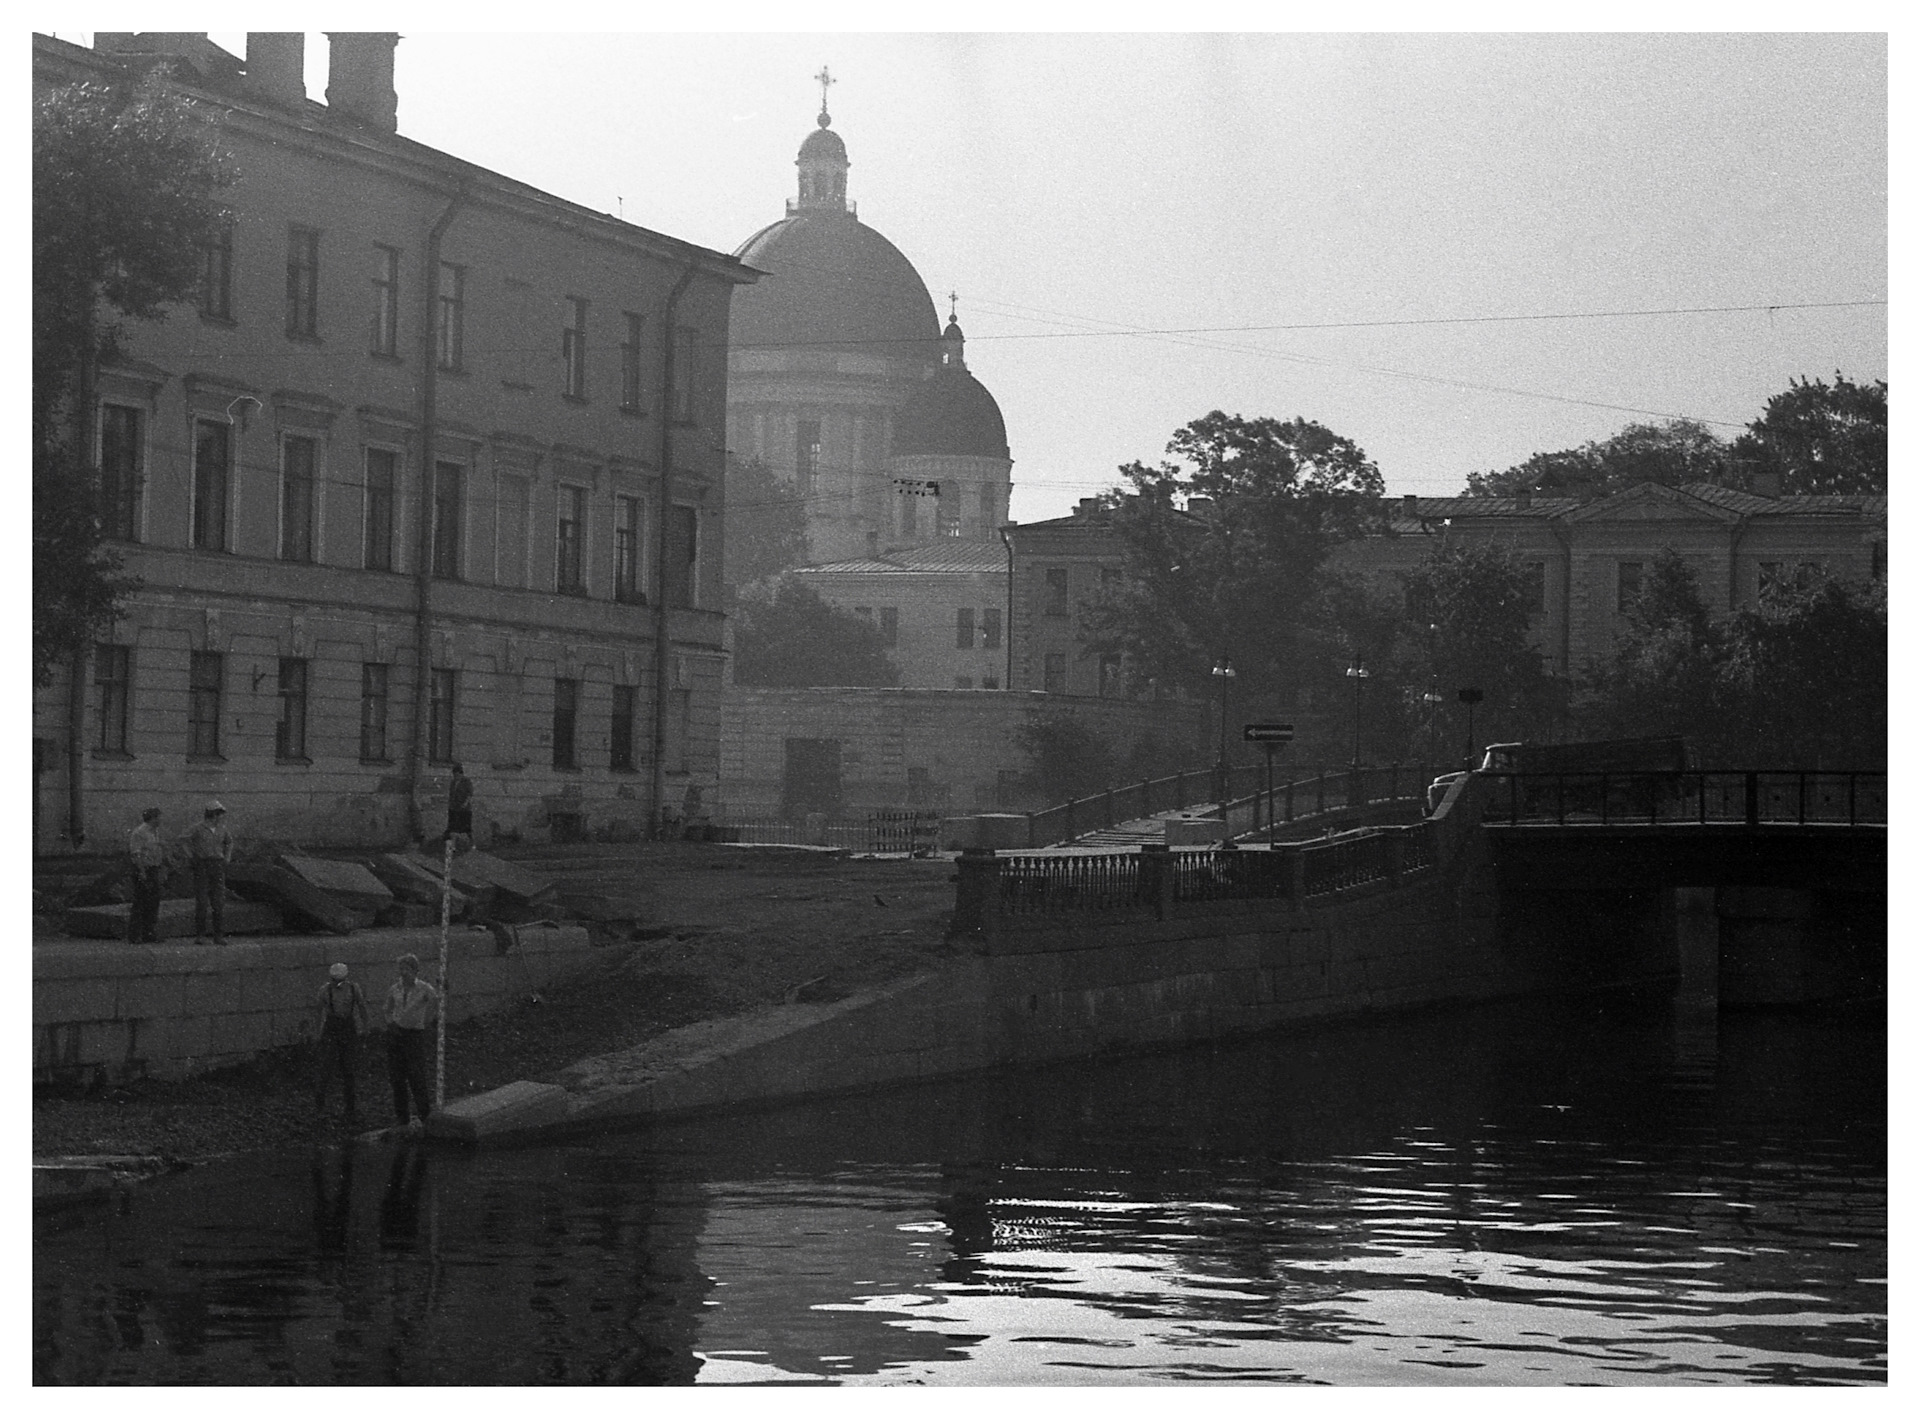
pixel 411 1007
pixel 209 850
pixel 343 1015
pixel 148 857
pixel 460 804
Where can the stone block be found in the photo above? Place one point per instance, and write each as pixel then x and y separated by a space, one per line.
pixel 240 1033
pixel 348 882
pixel 516 1108
pixel 211 994
pixel 146 996
pixel 56 1002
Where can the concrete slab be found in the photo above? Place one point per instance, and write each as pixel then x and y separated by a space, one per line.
pixel 519 1107
pixel 175 919
pixel 349 881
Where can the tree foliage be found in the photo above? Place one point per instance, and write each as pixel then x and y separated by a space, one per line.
pixel 1222 547
pixel 1820 438
pixel 125 196
pixel 785 634
pixel 1065 759
pixel 766 524
pixel 1674 452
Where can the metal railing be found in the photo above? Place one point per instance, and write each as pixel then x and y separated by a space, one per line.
pixel 1086 883
pixel 1750 797
pixel 884 830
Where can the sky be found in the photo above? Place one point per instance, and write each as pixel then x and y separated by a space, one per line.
pixel 1358 229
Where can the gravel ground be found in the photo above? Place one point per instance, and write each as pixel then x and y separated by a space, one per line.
pixel 721 930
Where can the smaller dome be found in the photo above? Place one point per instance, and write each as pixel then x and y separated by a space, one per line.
pixel 951 413
pixel 953 331
pixel 824 143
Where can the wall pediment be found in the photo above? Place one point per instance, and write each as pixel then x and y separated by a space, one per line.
pixel 1652 502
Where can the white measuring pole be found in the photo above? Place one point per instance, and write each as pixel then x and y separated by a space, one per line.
pixel 440 1015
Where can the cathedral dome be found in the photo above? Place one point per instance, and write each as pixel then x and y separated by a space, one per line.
pixel 833 281
pixel 951 413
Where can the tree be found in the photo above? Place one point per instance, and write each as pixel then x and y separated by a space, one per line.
pixel 1222 549
pixel 1805 676
pixel 125 189
pixel 1674 452
pixel 766 524
pixel 1820 438
pixel 1664 675
pixel 786 635
pixel 1065 759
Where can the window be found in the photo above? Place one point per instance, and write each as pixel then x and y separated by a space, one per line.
pixel 303 283
pixel 1056 604
pixel 620 741
pixel 566 704
pixel 1056 673
pixel 683 550
pixel 205 672
pixel 683 374
pixel 990 627
pixel 990 682
pixel 290 733
pixel 630 349
pixel 989 509
pixel 212 462
pixel 450 336
pixel 112 680
pixel 514 512
pixel 447 478
pixel 383 466
pixel 626 551
pixel 385 336
pixel 373 713
pixel 120 448
pixel 963 628
pixel 1533 580
pixel 296 498
pixel 1628 589
pixel 443 685
pixel 806 456
pixel 890 625
pixel 570 517
pixel 216 274
pixel 573 348
pixel 1109 677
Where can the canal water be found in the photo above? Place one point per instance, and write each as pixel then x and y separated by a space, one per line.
pixel 1585 1192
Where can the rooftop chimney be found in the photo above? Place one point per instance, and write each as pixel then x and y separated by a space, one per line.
pixel 277 67
pixel 360 78
pixel 1410 504
pixel 1086 507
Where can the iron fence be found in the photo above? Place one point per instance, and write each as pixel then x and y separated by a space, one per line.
pixel 1085 882
pixel 1737 796
pixel 1229 875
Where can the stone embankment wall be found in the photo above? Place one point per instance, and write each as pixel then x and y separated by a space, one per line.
pixel 174 1009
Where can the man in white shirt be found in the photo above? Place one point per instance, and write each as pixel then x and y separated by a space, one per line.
pixel 209 850
pixel 148 856
pixel 412 1005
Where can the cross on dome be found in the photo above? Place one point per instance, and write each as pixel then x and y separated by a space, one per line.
pixel 824 79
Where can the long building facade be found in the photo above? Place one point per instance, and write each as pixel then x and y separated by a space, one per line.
pixel 432 472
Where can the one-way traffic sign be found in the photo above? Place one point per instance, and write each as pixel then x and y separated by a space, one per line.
pixel 1268 733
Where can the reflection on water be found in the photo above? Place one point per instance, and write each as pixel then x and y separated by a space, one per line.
pixel 1519 1194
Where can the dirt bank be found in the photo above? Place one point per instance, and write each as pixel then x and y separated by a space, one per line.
pixel 716 930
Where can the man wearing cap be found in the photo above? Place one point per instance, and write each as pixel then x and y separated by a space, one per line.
pixel 209 850
pixel 148 856
pixel 411 1006
pixel 343 1015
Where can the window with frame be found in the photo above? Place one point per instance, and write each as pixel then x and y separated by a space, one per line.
pixel 373 712
pixel 566 709
pixel 1627 585
pixel 632 394
pixel 1055 682
pixel 120 473
pixel 290 731
pixel 212 472
pixel 573 348
pixel 620 737
pixel 990 627
pixel 298 457
pixel 450 334
pixel 206 674
pixel 216 274
pixel 963 628
pixel 683 555
pixel 626 551
pixel 303 283
pixel 447 480
pixel 570 518
pixel 442 689
pixel 384 338
pixel 890 625
pixel 684 351
pixel 383 468
pixel 112 687
pixel 806 456
pixel 1056 582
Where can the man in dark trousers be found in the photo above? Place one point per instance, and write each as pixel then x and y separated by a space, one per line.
pixel 148 857
pixel 209 850
pixel 343 1015
pixel 460 804
pixel 411 1007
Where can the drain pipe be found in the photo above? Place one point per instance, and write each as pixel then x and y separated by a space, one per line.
pixel 661 646
pixel 1008 631
pixel 423 569
pixel 82 650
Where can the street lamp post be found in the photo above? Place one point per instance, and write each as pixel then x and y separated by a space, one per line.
pixel 1432 701
pixel 1223 673
pixel 1358 674
pixel 1470 697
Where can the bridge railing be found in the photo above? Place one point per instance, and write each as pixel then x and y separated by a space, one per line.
pixel 1157 881
pixel 1750 797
